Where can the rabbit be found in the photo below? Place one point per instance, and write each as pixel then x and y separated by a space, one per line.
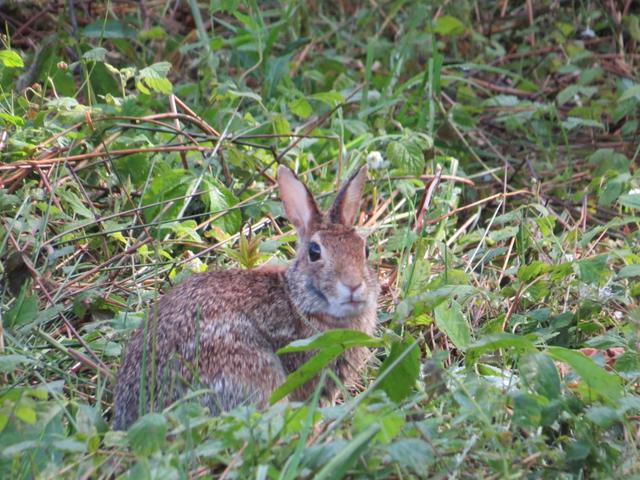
pixel 220 330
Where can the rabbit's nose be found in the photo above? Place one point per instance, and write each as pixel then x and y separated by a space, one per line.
pixel 356 290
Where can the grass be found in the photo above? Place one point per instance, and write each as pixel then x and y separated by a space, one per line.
pixel 139 145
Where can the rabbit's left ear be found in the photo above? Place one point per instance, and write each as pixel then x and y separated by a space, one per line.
pixel 346 206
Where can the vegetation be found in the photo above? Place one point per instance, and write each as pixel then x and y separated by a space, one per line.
pixel 139 143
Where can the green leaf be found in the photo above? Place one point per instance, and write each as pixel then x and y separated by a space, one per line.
pixel 26 413
pixel 23 311
pixel 526 273
pixel 12 119
pixel 629 271
pixel 412 453
pixel 301 108
pixel 11 59
pixel 593 269
pixel 148 434
pixel 340 463
pixel 601 383
pixel 630 201
pixel 341 337
pixel 331 98
pixel 629 93
pixel 448 26
pixel 400 382
pixel 8 363
pixel 108 29
pixel 98 54
pixel 220 199
pixel 539 373
pixel 330 344
pixel 155 77
pixel 452 322
pixel 493 342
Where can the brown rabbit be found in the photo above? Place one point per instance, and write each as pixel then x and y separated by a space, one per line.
pixel 220 330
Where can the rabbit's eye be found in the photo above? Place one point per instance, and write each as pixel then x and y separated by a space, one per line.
pixel 314 251
pixel 366 251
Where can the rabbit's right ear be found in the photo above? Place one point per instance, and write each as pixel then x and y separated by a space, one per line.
pixel 300 206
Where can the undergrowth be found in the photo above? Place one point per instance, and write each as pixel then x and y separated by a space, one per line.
pixel 139 145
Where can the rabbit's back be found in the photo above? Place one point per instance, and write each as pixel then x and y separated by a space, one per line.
pixel 211 331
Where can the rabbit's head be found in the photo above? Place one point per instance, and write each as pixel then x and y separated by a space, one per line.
pixel 331 275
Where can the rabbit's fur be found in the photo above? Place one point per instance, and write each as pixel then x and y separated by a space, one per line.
pixel 220 330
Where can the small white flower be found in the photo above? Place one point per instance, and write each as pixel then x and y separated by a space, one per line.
pixel 634 191
pixel 588 33
pixel 375 160
pixel 605 293
pixel 569 257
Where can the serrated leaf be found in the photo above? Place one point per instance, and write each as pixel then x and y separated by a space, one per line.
pixel 593 269
pixel 412 453
pixel 343 337
pixel 629 271
pixel 147 434
pixel 631 92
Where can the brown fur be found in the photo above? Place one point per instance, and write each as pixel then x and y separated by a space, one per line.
pixel 220 330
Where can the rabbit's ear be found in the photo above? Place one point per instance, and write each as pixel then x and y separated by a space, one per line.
pixel 300 206
pixel 347 204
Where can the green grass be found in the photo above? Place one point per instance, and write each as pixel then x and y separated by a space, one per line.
pixel 508 341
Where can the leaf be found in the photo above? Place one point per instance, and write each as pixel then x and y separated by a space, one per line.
pixel 301 108
pixel 630 201
pixel 147 434
pixel 331 98
pixel 526 273
pixel 629 271
pixel 155 77
pixel 12 119
pixel 600 382
pixel 340 463
pixel 98 54
pixel 23 311
pixel 593 269
pixel 330 344
pixel 412 453
pixel 108 29
pixel 11 59
pixel 453 323
pixel 8 363
pixel 342 337
pixel 448 26
pixel 218 198
pixel 500 340
pixel 400 382
pixel 629 93
pixel 26 413
pixel 539 373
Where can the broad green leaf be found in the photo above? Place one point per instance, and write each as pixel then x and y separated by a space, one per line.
pixel 593 269
pixel 331 98
pixel 12 119
pixel 23 311
pixel 539 373
pixel 400 382
pixel 220 199
pixel 630 201
pixel 629 93
pixel 301 108
pixel 601 382
pixel 452 322
pixel 8 363
pixel 501 340
pixel 11 59
pixel 26 413
pixel 526 273
pixel 629 271
pixel 98 54
pixel 448 26
pixel 412 453
pixel 109 29
pixel 148 434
